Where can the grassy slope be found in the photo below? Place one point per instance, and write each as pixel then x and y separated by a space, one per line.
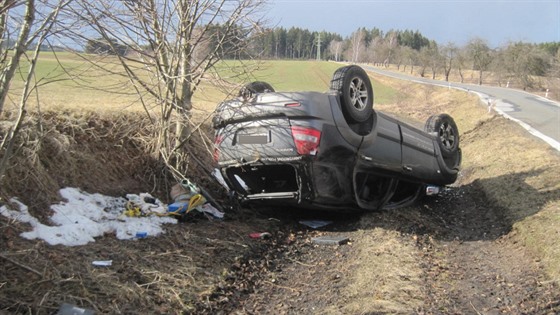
pixel 518 172
pixel 105 151
pixel 311 76
pixel 92 89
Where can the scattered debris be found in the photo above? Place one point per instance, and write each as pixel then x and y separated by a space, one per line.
pixel 187 197
pixel 69 309
pixel 315 224
pixel 141 234
pixel 208 208
pixel 102 263
pixel 433 190
pixel 143 204
pixel 330 240
pixel 262 235
pixel 83 217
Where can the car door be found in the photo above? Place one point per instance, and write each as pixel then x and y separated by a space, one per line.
pixel 378 164
pixel 381 150
pixel 419 161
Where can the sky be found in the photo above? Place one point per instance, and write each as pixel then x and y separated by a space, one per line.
pixel 445 21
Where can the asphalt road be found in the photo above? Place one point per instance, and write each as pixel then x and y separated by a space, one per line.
pixel 540 116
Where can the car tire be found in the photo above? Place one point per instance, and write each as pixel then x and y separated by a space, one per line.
pixel 446 133
pixel 250 89
pixel 356 93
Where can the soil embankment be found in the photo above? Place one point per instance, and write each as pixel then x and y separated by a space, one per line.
pixel 487 245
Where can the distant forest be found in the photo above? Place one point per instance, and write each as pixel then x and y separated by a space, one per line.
pixel 412 50
pixel 407 49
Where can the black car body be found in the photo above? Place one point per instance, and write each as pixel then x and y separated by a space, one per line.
pixel 329 150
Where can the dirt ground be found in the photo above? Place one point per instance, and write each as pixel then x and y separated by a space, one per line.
pixel 447 255
pixel 458 253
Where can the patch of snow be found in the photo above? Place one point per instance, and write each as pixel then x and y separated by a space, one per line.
pixel 84 216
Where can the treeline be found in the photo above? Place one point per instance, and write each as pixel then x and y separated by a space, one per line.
pixel 411 51
pixel 298 43
pixel 408 50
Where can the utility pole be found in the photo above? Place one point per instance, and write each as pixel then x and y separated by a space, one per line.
pixel 319 47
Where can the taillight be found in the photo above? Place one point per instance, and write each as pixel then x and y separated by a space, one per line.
pixel 306 140
pixel 217 142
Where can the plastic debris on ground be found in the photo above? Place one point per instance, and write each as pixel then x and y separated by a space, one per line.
pixel 141 234
pixel 69 309
pixel 262 235
pixel 315 224
pixel 330 240
pixel 102 263
pixel 84 216
pixel 187 197
pixel 143 205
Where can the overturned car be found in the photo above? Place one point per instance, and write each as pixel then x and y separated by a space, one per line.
pixel 330 150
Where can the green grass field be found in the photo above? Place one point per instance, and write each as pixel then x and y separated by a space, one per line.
pixel 68 81
pixel 312 76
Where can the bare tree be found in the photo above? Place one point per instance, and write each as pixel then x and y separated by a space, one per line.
pixel 390 44
pixel 373 50
pixel 499 67
pixel 399 57
pixel 409 56
pixel 433 58
pixel 335 49
pixel 172 47
pixel 11 63
pixel 449 53
pixel 553 76
pixel 525 62
pixel 461 62
pixel 481 56
pixel 33 21
pixel 424 59
pixel 357 45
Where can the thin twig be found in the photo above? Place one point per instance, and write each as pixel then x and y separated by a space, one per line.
pixel 22 266
pixel 178 297
pixel 474 308
pixel 281 286
pixel 303 264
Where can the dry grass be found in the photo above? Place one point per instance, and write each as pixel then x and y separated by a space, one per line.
pixel 110 152
pixel 517 171
pixel 376 286
pixel 540 84
pixel 168 274
pixel 100 153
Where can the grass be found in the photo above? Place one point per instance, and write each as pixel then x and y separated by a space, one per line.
pixel 289 75
pixel 539 86
pixel 517 172
pixel 68 81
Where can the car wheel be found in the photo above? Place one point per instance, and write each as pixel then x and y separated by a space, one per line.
pixel 446 133
pixel 356 93
pixel 250 89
